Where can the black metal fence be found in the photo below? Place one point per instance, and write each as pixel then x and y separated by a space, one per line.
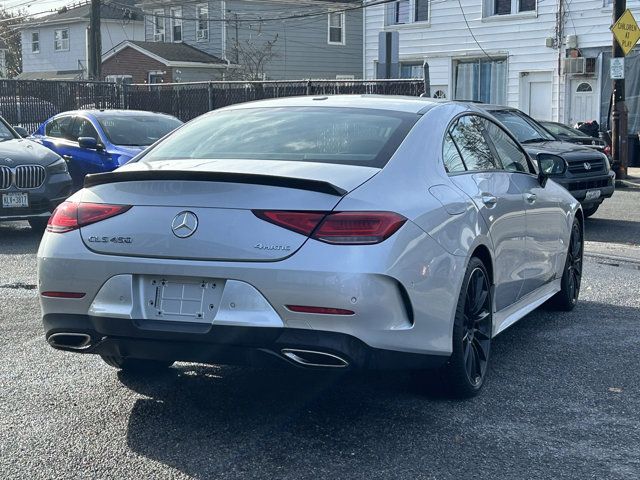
pixel 30 102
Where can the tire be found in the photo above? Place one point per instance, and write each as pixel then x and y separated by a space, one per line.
pixel 464 374
pixel 567 298
pixel 38 224
pixel 590 210
pixel 136 364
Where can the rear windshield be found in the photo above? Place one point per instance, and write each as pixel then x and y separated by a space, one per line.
pixel 137 130
pixel 348 136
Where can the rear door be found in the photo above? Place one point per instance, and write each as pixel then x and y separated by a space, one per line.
pixel 544 216
pixel 500 203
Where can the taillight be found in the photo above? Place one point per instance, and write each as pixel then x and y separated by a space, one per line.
pixel 299 222
pixel 362 228
pixel 71 215
pixel 340 228
pixel 607 149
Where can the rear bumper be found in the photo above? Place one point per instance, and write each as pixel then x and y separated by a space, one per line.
pixel 227 344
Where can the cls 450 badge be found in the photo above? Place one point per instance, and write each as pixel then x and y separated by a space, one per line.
pixel 94 239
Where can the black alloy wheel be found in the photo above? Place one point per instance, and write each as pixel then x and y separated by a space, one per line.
pixel 465 372
pixel 567 298
pixel 476 341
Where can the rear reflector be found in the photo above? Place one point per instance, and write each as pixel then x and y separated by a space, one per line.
pixel 319 310
pixel 339 228
pixel 63 294
pixel 71 215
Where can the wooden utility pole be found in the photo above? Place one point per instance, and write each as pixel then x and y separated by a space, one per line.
pixel 619 150
pixel 94 66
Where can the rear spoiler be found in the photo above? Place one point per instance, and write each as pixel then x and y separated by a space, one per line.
pixel 228 177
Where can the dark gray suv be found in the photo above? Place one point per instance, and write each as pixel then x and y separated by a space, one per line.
pixel 588 177
pixel 33 179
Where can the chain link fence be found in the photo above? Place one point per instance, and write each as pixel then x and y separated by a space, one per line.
pixel 28 103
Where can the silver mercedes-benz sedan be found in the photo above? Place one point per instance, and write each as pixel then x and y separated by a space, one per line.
pixel 328 232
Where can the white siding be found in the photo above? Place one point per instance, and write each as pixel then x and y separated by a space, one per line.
pixel 520 38
pixel 48 59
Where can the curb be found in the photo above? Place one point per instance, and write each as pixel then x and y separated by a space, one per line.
pixel 627 184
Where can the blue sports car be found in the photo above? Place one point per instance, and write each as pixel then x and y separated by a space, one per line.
pixel 94 141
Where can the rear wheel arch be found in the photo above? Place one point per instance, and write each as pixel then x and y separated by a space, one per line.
pixel 484 255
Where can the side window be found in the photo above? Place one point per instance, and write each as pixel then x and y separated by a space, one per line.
pixel 59 128
pixel 468 135
pixel 512 157
pixel 83 128
pixel 451 157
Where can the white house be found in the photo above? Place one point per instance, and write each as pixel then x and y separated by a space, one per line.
pixel 511 52
pixel 54 47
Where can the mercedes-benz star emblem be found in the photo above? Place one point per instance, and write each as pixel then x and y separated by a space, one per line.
pixel 184 224
pixel 586 165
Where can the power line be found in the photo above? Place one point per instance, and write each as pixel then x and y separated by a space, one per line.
pixel 471 32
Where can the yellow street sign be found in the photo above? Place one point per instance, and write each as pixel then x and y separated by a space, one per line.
pixel 626 31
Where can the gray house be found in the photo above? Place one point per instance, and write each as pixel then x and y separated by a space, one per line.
pixel 266 39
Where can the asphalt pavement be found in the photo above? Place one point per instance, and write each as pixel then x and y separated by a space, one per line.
pixel 562 398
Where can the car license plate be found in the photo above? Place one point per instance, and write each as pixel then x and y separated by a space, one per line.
pixel 15 200
pixel 592 194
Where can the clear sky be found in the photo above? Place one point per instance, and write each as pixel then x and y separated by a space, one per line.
pixel 35 6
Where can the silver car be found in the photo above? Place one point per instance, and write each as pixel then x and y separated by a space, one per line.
pixel 331 232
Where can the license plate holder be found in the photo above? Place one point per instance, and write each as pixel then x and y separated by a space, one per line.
pixel 592 194
pixel 182 299
pixel 15 200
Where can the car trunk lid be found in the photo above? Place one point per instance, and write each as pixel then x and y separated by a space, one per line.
pixel 203 210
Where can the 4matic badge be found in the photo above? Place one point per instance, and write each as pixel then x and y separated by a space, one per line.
pixel 282 248
pixel 95 239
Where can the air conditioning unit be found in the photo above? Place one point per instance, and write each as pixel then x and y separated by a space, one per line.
pixel 574 66
pixel 158 37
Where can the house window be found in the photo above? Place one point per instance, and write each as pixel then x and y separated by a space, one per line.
pixel 421 11
pixel 35 42
pixel 411 70
pixel 158 25
pixel 481 80
pixel 176 23
pixel 61 40
pixel 584 87
pixel 508 7
pixel 439 94
pixel 155 76
pixel 202 22
pixel 398 12
pixel 336 28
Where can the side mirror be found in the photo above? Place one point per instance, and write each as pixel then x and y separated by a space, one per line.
pixel 89 143
pixel 21 131
pixel 550 165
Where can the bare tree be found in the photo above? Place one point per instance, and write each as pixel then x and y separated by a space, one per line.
pixel 9 21
pixel 253 55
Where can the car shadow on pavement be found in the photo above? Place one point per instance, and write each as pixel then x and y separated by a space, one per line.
pixel 546 384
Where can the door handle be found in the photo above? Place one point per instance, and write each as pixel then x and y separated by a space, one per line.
pixel 489 200
pixel 67 157
pixel 530 197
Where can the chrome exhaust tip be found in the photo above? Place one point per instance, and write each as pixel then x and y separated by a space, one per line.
pixel 72 341
pixel 312 358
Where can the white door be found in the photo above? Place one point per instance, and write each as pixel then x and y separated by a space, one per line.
pixel 583 101
pixel 536 97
